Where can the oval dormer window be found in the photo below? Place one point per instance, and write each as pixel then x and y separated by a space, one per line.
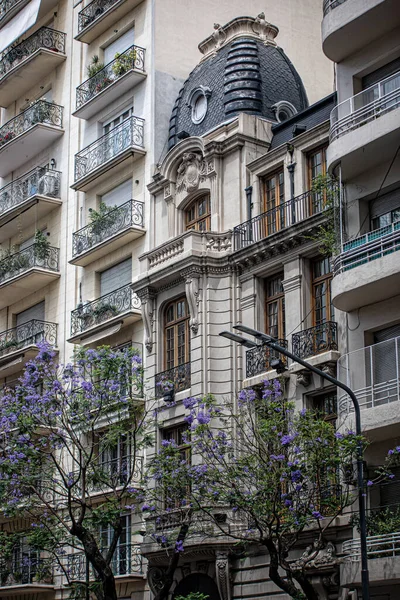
pixel 283 110
pixel 198 102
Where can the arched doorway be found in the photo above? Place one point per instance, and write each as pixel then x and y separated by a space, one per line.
pixel 197 582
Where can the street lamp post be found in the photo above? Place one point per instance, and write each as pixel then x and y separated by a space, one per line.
pixel 271 343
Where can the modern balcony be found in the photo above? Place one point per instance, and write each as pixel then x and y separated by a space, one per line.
pixel 288 214
pixel 172 380
pixel 99 15
pixel 27 577
pixel 105 315
pixel 30 197
pixel 364 127
pixel 19 344
pixel 118 227
pixel 23 66
pixel 29 133
pixel 127 563
pixel 373 373
pixel 106 156
pixel 366 271
pixel 383 553
pixel 318 344
pixel 258 364
pixel 110 83
pixel 349 25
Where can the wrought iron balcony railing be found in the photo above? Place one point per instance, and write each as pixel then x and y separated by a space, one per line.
pixel 114 222
pixel 258 360
pixel 40 112
pixel 125 135
pixel 39 181
pixel 93 11
pixel 127 560
pixel 373 373
pixel 27 334
pixel 366 106
pixel 6 6
pixel 281 217
pixel 315 340
pixel 329 5
pixel 33 257
pixel 132 58
pixel 47 38
pixel 175 379
pixel 377 546
pixel 104 308
pixel 368 247
pixel 115 473
pixel 27 568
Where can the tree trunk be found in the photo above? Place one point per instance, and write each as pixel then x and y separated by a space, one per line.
pixel 283 584
pixel 306 586
pixel 162 594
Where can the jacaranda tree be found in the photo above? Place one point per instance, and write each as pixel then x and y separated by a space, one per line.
pixel 71 448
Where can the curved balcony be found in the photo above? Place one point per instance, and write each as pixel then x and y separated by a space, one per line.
pixel 26 135
pixel 99 15
pixel 329 5
pixel 110 83
pixel 365 126
pixel 19 344
pixel 118 227
pixel 30 197
pixel 30 576
pixel 24 66
pixel 366 272
pixel 105 315
pixel 383 553
pixel 127 562
pixel 318 344
pixel 107 155
pixel 172 380
pixel 26 272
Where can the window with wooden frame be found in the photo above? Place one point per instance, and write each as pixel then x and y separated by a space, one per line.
pixel 326 406
pixel 275 307
pixel 273 202
pixel 316 166
pixel 176 334
pixel 322 308
pixel 198 214
pixel 179 435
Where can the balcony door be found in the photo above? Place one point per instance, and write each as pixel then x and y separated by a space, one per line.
pixel 124 42
pixel 118 132
pixel 114 461
pixel 322 307
pixel 116 277
pixel 275 307
pixel 316 161
pixel 176 334
pixel 118 195
pixel 27 331
pixel 273 203
pixel 121 561
pixel 386 364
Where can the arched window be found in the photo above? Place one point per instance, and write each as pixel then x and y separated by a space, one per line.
pixel 176 334
pixel 198 215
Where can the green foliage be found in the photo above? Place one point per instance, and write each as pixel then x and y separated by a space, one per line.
pixel 124 62
pixel 193 596
pixel 94 67
pixel 380 522
pixel 102 219
pixel 41 245
pixel 325 194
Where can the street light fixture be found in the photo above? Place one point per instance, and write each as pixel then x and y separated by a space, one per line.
pixel 272 343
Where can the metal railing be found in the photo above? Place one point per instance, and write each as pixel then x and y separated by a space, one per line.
pixel 49 39
pixel 28 333
pixel 29 258
pixel 281 217
pixel 40 112
pixel 24 568
pixel 366 106
pixel 115 221
pixel 104 308
pixel 127 560
pixel 175 379
pixel 6 6
pixel 373 373
pixel 315 340
pixel 125 135
pixel 40 181
pixel 132 58
pixel 329 5
pixel 92 12
pixel 368 247
pixel 377 546
pixel 258 360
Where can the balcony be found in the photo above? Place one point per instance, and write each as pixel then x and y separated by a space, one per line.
pixel 109 84
pixel 364 127
pixel 23 66
pixel 258 364
pixel 317 344
pixel 10 8
pixel 287 214
pixel 383 560
pixel 29 576
pixel 365 272
pixel 106 314
pixel 26 135
pixel 173 380
pixel 109 154
pixel 19 344
pixel 350 25
pixel 99 15
pixel 373 373
pixel 30 197
pixel 126 563
pixel 117 228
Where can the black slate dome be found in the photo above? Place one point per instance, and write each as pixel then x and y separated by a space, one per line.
pixel 245 75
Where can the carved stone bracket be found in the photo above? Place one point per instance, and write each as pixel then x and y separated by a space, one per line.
pixel 155 578
pixel 147 296
pixel 192 294
pixel 222 575
pixel 304 378
pixel 329 368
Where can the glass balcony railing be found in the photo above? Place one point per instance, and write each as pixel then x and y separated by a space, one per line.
pixel 40 181
pixel 29 258
pixel 103 309
pixel 114 222
pixel 329 5
pixel 315 340
pixel 378 546
pixel 92 12
pixel 43 38
pixel 27 334
pixel 127 134
pixel 132 58
pixel 172 380
pixel 258 359
pixel 40 112
pixel 366 106
pixel 368 247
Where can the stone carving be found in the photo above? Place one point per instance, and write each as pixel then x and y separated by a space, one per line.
pixel 304 378
pixel 222 575
pixel 147 296
pixel 191 172
pixel 219 36
pixel 316 557
pixel 329 368
pixel 155 578
pixel 192 295
pixel 265 30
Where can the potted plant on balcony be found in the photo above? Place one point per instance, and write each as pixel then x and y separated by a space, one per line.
pixel 41 246
pixel 43 574
pixel 94 67
pixel 105 310
pixel 6 137
pixel 8 345
pixel 102 219
pixel 124 62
